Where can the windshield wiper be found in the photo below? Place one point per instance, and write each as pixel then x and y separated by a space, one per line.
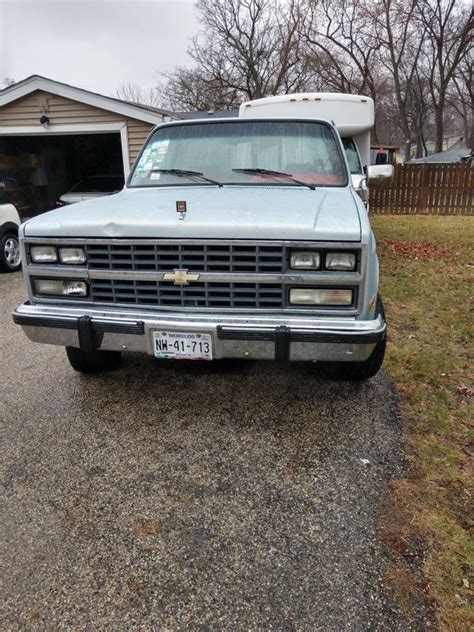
pixel 277 174
pixel 184 173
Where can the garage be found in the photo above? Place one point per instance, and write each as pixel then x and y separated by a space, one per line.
pixel 56 138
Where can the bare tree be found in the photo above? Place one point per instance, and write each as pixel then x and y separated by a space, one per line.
pixel 420 112
pixel 449 42
pixel 402 41
pixel 413 57
pixel 407 50
pixel 367 48
pixel 186 90
pixel 247 49
pixel 344 45
pixel 136 94
pixel 461 98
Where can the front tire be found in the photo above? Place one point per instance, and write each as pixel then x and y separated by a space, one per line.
pixel 10 260
pixel 93 361
pixel 359 371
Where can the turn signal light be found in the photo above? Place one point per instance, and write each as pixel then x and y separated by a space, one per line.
pixel 328 297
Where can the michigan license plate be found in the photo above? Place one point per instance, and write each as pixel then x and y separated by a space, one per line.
pixel 182 345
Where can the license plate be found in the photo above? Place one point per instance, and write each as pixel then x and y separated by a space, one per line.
pixel 182 345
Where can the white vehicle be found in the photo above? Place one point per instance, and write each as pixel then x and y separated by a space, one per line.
pixel 233 238
pixel 10 260
pixel 92 187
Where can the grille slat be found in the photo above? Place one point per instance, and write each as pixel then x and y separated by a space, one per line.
pixel 162 293
pixel 202 258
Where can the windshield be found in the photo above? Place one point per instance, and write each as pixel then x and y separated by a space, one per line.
pixel 234 152
pixel 352 155
pixel 101 184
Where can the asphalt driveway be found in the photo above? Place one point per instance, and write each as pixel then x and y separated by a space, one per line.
pixel 179 496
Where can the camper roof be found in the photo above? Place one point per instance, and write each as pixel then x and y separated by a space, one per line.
pixel 352 114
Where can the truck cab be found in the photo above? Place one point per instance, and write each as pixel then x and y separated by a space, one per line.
pixel 353 117
pixel 233 238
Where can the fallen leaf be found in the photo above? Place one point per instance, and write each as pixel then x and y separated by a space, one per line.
pixel 465 391
pixel 416 250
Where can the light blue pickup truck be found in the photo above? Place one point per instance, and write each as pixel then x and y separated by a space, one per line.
pixel 243 237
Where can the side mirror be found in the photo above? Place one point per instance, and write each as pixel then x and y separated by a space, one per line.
pixel 380 175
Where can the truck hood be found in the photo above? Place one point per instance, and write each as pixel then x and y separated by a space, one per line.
pixel 230 212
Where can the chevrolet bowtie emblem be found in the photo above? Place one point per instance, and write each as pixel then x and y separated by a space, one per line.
pixel 180 277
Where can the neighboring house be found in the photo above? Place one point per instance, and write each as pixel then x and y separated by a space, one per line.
pixel 448 143
pixel 53 134
pixel 454 155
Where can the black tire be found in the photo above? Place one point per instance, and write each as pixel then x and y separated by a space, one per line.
pixel 10 253
pixel 93 361
pixel 359 371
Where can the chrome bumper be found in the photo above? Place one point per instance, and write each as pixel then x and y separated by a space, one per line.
pixel 261 337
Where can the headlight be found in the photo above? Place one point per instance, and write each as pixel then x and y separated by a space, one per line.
pixel 340 261
pixel 44 254
pixel 309 296
pixel 305 260
pixel 56 287
pixel 71 255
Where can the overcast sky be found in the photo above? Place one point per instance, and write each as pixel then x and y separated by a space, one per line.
pixel 94 44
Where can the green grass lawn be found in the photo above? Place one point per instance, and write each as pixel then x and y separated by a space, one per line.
pixel 427 271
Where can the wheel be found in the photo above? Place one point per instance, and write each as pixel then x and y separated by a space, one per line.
pixel 10 260
pixel 93 361
pixel 358 371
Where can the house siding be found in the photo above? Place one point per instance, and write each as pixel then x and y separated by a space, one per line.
pixel 26 112
pixel 137 135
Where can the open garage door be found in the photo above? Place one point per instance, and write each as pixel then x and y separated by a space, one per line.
pixel 37 170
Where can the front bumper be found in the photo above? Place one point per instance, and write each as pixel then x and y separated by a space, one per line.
pixel 261 337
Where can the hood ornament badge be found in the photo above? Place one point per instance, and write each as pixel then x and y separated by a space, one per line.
pixel 181 208
pixel 180 277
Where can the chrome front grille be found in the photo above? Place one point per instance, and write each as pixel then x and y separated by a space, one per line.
pixel 198 294
pixel 225 258
pixel 231 275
